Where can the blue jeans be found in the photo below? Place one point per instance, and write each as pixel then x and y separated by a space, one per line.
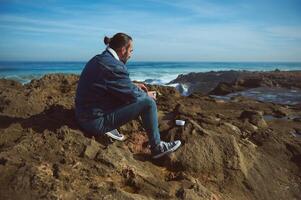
pixel 145 107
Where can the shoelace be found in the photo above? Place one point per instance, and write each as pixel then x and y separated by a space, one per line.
pixel 166 146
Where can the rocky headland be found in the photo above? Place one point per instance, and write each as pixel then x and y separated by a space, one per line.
pixel 236 149
pixel 225 82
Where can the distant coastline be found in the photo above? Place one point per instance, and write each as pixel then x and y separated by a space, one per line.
pixel 149 72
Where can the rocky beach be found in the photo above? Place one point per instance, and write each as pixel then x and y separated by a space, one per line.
pixel 234 149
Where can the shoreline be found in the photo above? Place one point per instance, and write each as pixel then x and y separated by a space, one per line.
pixel 227 84
pixel 150 72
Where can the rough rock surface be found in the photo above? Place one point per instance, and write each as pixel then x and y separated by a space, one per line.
pixel 225 82
pixel 230 151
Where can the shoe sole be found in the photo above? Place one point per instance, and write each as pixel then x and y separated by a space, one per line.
pixel 114 136
pixel 169 151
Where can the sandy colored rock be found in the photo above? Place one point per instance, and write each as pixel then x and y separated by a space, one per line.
pixel 229 151
pixel 92 149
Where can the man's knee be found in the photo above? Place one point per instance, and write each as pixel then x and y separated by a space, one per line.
pixel 148 101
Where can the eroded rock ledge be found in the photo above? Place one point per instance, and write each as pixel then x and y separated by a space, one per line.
pixel 225 82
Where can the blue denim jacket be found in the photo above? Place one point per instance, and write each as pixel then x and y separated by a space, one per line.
pixel 104 85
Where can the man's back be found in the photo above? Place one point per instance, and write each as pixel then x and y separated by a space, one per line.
pixel 103 86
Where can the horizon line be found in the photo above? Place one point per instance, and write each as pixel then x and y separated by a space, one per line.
pixel 167 61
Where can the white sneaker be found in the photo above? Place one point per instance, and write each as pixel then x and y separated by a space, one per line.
pixel 164 148
pixel 115 135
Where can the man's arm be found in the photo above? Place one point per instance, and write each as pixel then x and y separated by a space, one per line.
pixel 119 84
pixel 141 86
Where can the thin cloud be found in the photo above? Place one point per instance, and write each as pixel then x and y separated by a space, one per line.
pixel 165 29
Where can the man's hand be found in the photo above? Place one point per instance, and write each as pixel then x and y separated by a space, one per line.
pixel 141 86
pixel 152 94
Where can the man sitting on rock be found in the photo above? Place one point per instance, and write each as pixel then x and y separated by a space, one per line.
pixel 106 98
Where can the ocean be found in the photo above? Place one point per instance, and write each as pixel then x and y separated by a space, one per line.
pixel 149 72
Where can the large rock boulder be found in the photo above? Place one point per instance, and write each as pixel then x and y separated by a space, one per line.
pixel 254 117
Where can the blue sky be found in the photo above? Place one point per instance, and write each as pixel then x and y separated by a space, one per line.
pixel 163 30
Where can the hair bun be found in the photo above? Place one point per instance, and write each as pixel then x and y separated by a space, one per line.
pixel 107 40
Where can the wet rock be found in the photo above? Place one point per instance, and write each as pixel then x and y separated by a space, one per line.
pixel 223 89
pixel 250 82
pixel 297 119
pixel 207 81
pixel 183 89
pixel 224 82
pixel 281 112
pixel 238 98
